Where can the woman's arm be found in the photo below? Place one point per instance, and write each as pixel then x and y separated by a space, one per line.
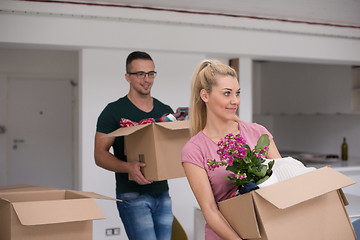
pixel 200 185
pixel 273 151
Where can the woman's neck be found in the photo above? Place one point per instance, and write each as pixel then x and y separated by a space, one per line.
pixel 217 130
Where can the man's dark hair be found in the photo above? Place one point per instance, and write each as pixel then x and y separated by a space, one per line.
pixel 136 55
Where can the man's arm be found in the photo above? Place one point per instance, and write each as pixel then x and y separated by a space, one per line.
pixel 104 159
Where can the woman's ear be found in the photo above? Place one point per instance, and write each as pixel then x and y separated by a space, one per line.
pixel 204 95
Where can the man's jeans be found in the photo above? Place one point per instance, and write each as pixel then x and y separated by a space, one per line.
pixel 146 216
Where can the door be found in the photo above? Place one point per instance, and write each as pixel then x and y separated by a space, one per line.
pixel 40 132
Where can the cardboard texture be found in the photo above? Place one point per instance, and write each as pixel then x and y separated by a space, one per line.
pixel 309 206
pixel 33 212
pixel 23 188
pixel 159 145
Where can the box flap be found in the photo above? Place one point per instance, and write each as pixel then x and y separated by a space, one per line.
pixel 24 188
pixel 125 131
pixel 57 211
pixel 93 195
pixel 304 187
pixel 34 195
pixel 18 186
pixel 177 125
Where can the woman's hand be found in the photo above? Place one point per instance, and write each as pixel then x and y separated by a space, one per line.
pixel 200 185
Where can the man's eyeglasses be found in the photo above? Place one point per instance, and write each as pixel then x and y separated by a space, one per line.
pixel 142 75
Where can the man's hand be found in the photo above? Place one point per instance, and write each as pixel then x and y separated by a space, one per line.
pixel 107 160
pixel 135 173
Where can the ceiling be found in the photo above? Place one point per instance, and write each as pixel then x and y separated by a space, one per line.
pixel 335 12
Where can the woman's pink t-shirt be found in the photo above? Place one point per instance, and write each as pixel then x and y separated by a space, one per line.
pixel 200 148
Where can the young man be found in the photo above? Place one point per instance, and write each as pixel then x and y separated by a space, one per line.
pixel 146 207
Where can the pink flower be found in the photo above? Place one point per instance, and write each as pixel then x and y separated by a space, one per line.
pixel 241 176
pixel 238 158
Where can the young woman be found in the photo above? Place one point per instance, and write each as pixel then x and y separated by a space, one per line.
pixel 214 103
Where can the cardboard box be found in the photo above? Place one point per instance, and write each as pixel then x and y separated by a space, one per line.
pixel 24 188
pixel 33 212
pixel 309 206
pixel 159 145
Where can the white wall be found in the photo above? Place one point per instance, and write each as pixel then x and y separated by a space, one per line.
pixel 177 42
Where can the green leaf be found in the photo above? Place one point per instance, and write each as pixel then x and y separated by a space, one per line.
pixel 258 171
pixel 232 168
pixel 270 164
pixel 230 178
pixel 247 160
pixel 262 180
pixel 262 142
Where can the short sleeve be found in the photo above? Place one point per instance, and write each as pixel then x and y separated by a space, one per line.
pixel 252 132
pixel 191 153
pixel 263 130
pixel 106 122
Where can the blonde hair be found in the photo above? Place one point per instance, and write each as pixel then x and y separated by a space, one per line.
pixel 204 78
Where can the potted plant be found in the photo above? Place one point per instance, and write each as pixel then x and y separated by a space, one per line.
pixel 248 165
